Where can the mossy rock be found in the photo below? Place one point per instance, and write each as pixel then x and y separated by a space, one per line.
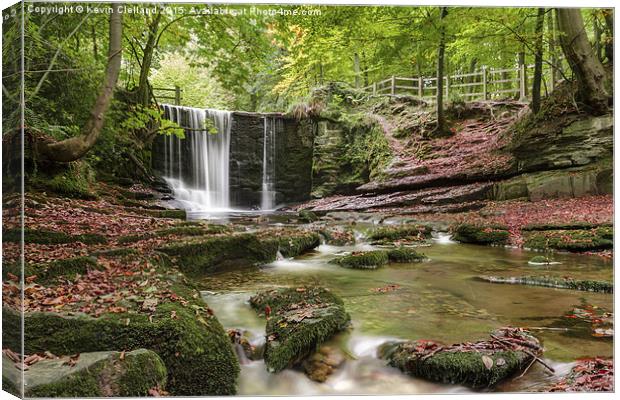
pixel 307 216
pixel 363 259
pixel 554 282
pixel 117 252
pixel 338 236
pixel 95 374
pixel 566 226
pixel 205 255
pixel 301 320
pixel 480 368
pixel 407 233
pixel 294 244
pixel 404 255
pixel 50 237
pixel 169 213
pixel 74 180
pixel 571 240
pixel 540 260
pixel 189 230
pixel 194 347
pixel 48 272
pixel 481 234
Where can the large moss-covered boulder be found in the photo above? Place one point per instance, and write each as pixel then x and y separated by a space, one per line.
pixel 575 240
pixel 189 339
pixel 96 374
pixel 478 365
pixel 480 234
pixel 295 243
pixel 403 234
pixel 363 259
pixel 300 320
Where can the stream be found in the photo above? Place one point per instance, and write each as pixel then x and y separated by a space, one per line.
pixel 437 299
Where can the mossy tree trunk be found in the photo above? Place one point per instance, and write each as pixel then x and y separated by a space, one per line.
pixel 590 74
pixel 76 147
pixel 144 90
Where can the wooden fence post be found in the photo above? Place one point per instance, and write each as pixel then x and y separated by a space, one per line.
pixel 393 85
pixel 177 96
pixel 421 87
pixel 484 82
pixel 374 88
pixel 522 82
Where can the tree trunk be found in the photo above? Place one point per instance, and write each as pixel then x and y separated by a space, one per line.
pixel 609 34
pixel 598 33
pixel 552 39
pixel 356 69
pixel 440 129
pixel 587 68
pixel 144 91
pixel 521 62
pixel 76 147
pixel 538 60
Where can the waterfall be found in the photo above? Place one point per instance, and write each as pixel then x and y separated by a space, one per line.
pixel 202 181
pixel 268 194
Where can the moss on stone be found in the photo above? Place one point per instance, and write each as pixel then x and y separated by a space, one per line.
pixel 194 347
pixel 209 254
pixel 409 233
pixel 184 230
pixel 50 237
pixel 571 240
pixel 553 282
pixel 307 216
pixel 117 252
pixel 294 244
pixel 74 181
pixel 338 235
pixel 99 374
pixel 565 226
pixel 404 255
pixel 170 213
pixel 48 272
pixel 457 364
pixel 302 319
pixel 481 234
pixel 539 260
pixel 363 260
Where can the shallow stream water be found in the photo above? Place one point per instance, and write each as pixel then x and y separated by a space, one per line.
pixel 438 299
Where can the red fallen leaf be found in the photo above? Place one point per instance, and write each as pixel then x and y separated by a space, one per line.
pixel 173 315
pixel 117 310
pixel 122 356
pixel 31 279
pixel 153 392
pixel 12 277
pixel 53 301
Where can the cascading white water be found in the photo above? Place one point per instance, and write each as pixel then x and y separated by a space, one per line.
pixel 204 183
pixel 268 194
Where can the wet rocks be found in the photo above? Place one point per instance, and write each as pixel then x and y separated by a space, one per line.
pixel 478 365
pixel 338 235
pixel 96 374
pixel 299 321
pixel 553 282
pixel 323 363
pixel 363 259
pixel 575 240
pixel 404 255
pixel 589 375
pixel 480 234
pixel 401 234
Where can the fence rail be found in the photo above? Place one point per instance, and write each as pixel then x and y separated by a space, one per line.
pixel 176 97
pixel 484 84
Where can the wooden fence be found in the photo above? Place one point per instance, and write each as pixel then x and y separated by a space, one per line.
pixel 485 84
pixel 176 96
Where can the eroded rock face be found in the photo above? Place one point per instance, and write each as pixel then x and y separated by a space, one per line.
pixel 580 143
pixel 96 374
